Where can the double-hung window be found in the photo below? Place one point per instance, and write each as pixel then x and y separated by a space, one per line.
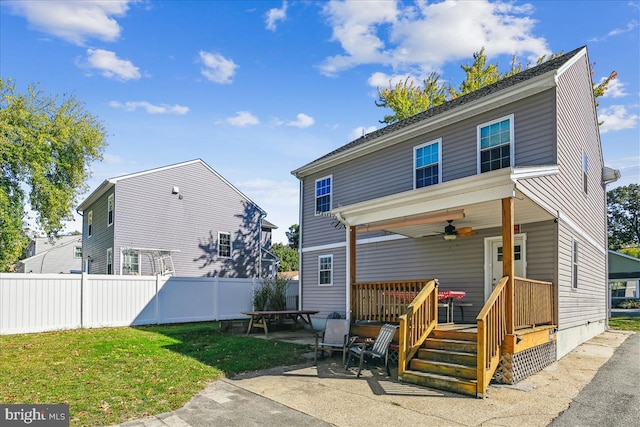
pixel 585 170
pixel 574 266
pixel 426 161
pixel 110 205
pixel 495 144
pixel 130 262
pixel 90 224
pixel 77 252
pixel 323 194
pixel 325 270
pixel 224 245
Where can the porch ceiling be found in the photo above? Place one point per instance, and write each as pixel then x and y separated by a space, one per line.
pixel 471 202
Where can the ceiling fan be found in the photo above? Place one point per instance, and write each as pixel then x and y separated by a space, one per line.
pixel 451 233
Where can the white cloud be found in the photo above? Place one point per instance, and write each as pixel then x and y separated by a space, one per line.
pixel 302 121
pixel 428 35
pixel 110 65
pixel 274 15
pixel 361 131
pixel 150 108
pixel 616 117
pixel 615 89
pixel 74 21
pixel 243 118
pixel 217 68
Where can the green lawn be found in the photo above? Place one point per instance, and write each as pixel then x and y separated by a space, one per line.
pixel 111 375
pixel 625 323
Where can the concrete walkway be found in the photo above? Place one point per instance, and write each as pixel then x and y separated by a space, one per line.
pixel 328 395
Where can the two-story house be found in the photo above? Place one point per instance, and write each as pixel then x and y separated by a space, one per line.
pixel 183 219
pixel 436 195
pixel 62 254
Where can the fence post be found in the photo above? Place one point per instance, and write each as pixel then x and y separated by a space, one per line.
pixel 216 298
pixel 83 277
pixel 157 298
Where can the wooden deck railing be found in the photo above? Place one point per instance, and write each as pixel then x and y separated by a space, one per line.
pixel 415 326
pixel 491 332
pixel 533 303
pixel 383 301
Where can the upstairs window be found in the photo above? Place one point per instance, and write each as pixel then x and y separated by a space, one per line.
pixel 90 224
pixel 224 245
pixel 426 161
pixel 585 169
pixel 325 270
pixel 110 205
pixel 495 144
pixel 323 194
pixel 77 252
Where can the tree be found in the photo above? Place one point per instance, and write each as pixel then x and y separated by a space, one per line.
pixel 623 210
pixel 46 146
pixel 406 100
pixel 293 235
pixel 288 257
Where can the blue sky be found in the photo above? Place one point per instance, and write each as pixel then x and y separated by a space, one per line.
pixel 259 88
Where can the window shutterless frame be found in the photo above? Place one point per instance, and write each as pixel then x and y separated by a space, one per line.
pixel 496 148
pixel 323 194
pixel 427 169
pixel 325 270
pixel 110 207
pixel 224 245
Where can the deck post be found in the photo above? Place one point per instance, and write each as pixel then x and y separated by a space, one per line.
pixel 508 263
pixel 351 266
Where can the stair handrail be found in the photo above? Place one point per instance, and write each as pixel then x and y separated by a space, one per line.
pixel 417 323
pixel 491 322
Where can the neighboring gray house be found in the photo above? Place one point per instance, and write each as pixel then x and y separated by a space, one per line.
pixel 435 195
pixel 183 219
pixel 624 276
pixel 61 254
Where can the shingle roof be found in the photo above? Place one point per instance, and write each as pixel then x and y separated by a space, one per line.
pixel 503 84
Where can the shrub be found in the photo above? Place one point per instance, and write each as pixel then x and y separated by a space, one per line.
pixel 630 303
pixel 271 295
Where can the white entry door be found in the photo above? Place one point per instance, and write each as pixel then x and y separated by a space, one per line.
pixel 493 260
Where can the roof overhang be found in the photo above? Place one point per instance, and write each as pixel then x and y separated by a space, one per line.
pixel 472 201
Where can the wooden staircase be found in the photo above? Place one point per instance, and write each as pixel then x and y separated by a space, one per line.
pixel 447 361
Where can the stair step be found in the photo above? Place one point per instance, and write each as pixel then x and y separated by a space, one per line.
pixel 453 345
pixel 453 334
pixel 460 357
pixel 444 368
pixel 441 382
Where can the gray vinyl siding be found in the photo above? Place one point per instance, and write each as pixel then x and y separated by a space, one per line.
pixel 326 299
pixel 390 170
pixel 148 215
pixel 587 303
pixel 101 238
pixel 55 259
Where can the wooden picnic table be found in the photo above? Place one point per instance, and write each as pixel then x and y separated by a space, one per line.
pixel 261 319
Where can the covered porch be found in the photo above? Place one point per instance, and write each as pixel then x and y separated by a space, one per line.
pixel 516 313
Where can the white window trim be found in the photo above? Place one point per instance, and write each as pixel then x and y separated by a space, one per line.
pixel 110 202
pixel 512 150
pixel 439 163
pixel 315 195
pixel 230 245
pixel 90 224
pixel 585 173
pixel 109 257
pixel 122 262
pixel 330 256
pixel 575 263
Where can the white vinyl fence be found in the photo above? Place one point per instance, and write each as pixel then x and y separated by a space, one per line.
pixel 47 302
